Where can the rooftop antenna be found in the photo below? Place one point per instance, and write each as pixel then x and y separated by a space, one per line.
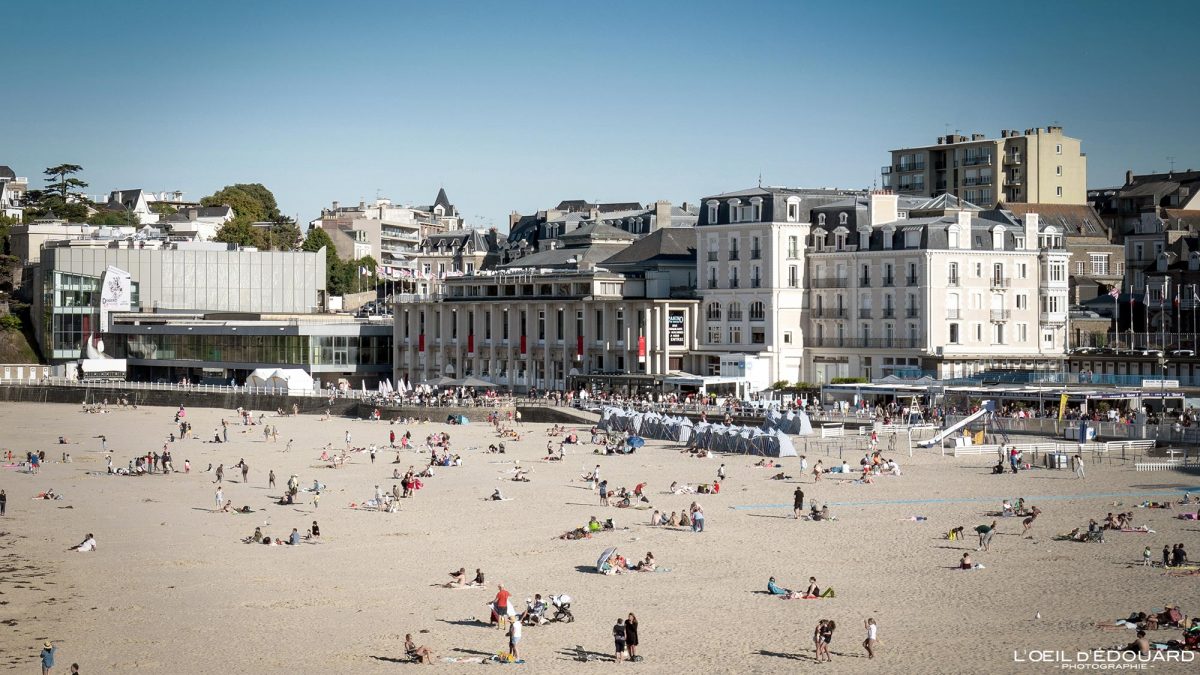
pixel 1171 159
pixel 759 179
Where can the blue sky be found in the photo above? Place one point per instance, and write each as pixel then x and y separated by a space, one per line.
pixel 517 105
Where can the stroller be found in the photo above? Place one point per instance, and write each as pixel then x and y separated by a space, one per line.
pixel 562 608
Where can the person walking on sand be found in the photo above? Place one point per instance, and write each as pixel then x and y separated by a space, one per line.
pixel 219 498
pixel 220 473
pixel 1146 555
pixel 1078 459
pixel 798 501
pixel 347 439
pixel 48 651
pixel 289 446
pixel 4 503
pixel 245 470
pixel 271 479
pixel 872 636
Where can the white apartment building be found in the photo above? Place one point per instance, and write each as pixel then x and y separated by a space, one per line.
pixel 750 265
pixel 12 193
pixel 938 285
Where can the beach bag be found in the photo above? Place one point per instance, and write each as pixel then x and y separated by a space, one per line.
pixel 829 593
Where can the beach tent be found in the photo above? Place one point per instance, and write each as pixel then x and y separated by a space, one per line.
pixel 472 381
pixel 280 379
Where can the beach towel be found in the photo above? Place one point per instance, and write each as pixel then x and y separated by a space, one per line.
pixel 1137 530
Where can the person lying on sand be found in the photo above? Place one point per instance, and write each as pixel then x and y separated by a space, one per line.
pixel 775 589
pixel 87 545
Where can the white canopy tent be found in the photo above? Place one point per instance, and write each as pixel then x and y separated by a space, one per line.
pixel 280 379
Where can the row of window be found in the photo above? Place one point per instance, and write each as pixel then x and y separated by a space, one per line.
pixel 733 311
pixel 559 324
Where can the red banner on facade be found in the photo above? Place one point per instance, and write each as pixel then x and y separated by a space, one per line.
pixel 578 347
pixel 421 342
pixel 471 343
pixel 641 347
pixel 522 344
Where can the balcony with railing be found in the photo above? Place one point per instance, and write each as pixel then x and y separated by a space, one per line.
pixel 952 281
pixel 887 170
pixel 864 313
pixel 830 282
pixel 1001 282
pixel 889 281
pixel 1013 179
pixel 954 313
pixel 1012 158
pixel 712 283
pixel 755 282
pixel 831 313
pixel 863 343
pixel 1001 314
pixel 976 160
pixel 734 254
pixel 733 283
pixel 911 280
pixel 889 312
pixel 712 256
pixel 864 281
pixel 756 254
pixel 971 181
pixel 913 312
pixel 911 166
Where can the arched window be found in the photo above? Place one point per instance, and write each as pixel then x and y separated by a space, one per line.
pixel 758 311
pixel 843 218
pixel 820 219
pixel 735 311
pixel 714 311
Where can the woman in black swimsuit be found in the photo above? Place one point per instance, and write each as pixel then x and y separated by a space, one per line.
pixel 826 633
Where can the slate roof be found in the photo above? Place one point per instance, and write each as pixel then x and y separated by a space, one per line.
pixel 1079 220
pixel 663 244
pixel 6 172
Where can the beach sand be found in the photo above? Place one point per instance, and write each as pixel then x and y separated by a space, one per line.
pixel 171 587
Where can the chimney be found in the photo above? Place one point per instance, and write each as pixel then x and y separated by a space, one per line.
pixel 662 214
pixel 512 219
pixel 335 206
pixel 885 208
pixel 978 137
pixel 1031 231
pixel 1129 176
pixel 941 140
pixel 1004 133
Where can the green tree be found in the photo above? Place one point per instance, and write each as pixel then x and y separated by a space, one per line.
pixel 240 231
pixel 251 200
pixel 162 208
pixel 65 184
pixel 317 239
pixel 284 235
pixel 114 218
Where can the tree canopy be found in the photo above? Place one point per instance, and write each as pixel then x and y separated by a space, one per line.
pixel 248 200
pixel 62 195
pixel 114 218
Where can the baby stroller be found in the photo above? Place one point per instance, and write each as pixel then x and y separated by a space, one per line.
pixel 562 608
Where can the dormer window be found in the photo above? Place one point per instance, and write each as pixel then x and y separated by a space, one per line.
pixel 793 210
pixel 889 235
pixel 712 212
pixel 952 237
pixel 998 238
pixel 843 218
pixel 821 219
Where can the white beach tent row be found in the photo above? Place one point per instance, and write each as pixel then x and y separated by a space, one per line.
pixel 772 442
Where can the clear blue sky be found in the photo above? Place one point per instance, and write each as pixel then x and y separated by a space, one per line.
pixel 517 105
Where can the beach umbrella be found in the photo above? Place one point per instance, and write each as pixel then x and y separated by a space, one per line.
pixel 604 557
pixel 636 441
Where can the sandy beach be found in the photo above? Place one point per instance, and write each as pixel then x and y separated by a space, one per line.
pixel 172 588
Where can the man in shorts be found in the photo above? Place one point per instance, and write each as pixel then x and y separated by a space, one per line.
pixel 619 641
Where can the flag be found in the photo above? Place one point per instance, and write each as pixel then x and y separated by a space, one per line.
pixel 1115 292
pixel 1195 298
pixel 1176 297
pixel 1146 300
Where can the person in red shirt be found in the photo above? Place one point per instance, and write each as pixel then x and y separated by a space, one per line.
pixel 501 604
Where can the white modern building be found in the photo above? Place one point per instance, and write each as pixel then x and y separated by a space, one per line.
pixel 12 193
pixel 389 233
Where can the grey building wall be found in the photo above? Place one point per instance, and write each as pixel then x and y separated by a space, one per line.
pixel 219 281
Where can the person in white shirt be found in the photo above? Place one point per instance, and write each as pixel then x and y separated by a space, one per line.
pixel 872 635
pixel 88 544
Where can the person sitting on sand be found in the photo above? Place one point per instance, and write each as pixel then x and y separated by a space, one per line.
pixel 818 469
pixel 256 537
pixel 965 563
pixel 496 496
pixel 478 580
pixel 458 578
pixel 774 589
pixel 421 653
pixel 648 564
pixel 655 518
pixel 684 520
pixel 673 521
pixel 594 525
pixel 813 590
pixel 86 546
pixel 1006 508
